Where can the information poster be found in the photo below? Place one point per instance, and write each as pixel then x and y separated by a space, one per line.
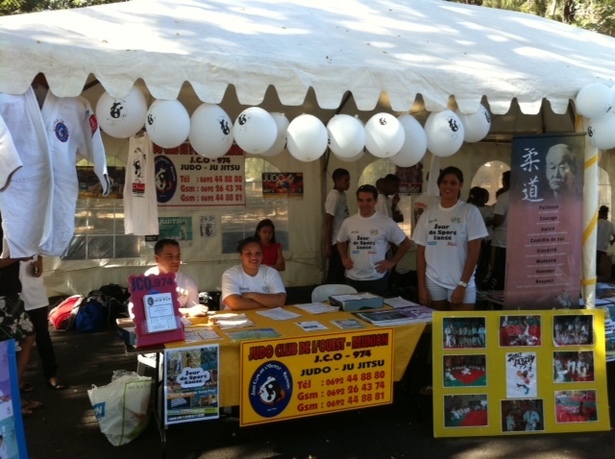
pixel 13 444
pixel 283 185
pixel 289 378
pixel 506 373
pixel 191 390
pixel 178 228
pixel 545 223
pixel 185 179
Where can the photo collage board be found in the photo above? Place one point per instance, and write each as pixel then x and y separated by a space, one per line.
pixel 519 372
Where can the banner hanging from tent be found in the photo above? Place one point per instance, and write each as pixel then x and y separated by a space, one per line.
pixel 545 222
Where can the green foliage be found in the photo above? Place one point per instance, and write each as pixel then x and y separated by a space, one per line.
pixel 30 6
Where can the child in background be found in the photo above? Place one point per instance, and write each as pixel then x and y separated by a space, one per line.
pixel 272 250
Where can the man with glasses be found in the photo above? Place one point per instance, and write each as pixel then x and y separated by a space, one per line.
pixel 363 241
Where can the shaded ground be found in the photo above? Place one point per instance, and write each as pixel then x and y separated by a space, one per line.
pixel 66 428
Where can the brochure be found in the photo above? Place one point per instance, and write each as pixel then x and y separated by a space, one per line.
pixel 312 325
pixel 159 312
pixel 194 336
pixel 317 308
pixel 348 324
pixel 256 333
pixel 278 314
pixel 231 320
pixel 399 302
pixel 406 315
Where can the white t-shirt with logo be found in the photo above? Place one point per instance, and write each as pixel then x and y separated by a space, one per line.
pixel 235 281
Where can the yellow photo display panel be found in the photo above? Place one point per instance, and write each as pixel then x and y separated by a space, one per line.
pixel 519 372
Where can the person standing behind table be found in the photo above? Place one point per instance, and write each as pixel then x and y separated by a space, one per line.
pixel 363 241
pixel 479 197
pixel 448 237
pixel 252 285
pixel 336 210
pixel 168 260
pixel 34 296
pixel 391 187
pixel 272 250
pixel 605 237
pixel 500 230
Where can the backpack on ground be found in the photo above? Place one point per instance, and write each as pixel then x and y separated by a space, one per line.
pixel 61 316
pixel 91 315
pixel 116 298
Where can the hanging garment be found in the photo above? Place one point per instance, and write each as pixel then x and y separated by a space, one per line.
pixel 140 203
pixel 26 201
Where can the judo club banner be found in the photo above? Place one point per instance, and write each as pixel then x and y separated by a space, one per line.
pixel 544 237
pixel 185 179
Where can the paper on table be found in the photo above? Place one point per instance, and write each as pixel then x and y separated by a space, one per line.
pixel 399 302
pixel 278 314
pixel 231 320
pixel 311 325
pixel 193 336
pixel 317 308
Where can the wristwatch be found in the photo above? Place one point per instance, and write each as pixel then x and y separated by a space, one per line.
pixel 462 284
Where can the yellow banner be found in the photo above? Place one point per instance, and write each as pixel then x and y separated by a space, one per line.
pixel 289 378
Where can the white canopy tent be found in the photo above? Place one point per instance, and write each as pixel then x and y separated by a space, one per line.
pixel 310 55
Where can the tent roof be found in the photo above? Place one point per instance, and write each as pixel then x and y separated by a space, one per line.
pixel 369 48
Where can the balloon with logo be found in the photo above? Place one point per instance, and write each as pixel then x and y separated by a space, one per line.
pixel 445 133
pixel 346 136
pixel 255 130
pixel 415 142
pixel 167 123
pixel 211 131
pixel 594 100
pixel 384 135
pixel 306 138
pixel 121 117
pixel 601 131
pixel 278 146
pixel 476 125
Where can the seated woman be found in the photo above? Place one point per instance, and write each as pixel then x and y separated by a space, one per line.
pixel 272 250
pixel 251 285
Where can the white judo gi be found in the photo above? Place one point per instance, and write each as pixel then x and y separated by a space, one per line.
pixel 38 206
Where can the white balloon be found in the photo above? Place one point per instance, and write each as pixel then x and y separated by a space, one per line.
pixel 122 117
pixel 255 130
pixel 384 135
pixel 280 141
pixel 211 131
pixel 594 100
pixel 415 142
pixel 167 123
pixel 306 138
pixel 601 131
pixel 445 133
pixel 476 125
pixel 353 158
pixel 346 136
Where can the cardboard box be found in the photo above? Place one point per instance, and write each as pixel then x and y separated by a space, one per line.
pixel 357 301
pixel 126 331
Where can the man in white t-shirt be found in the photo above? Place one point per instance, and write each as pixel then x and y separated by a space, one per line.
pixel 363 241
pixel 336 211
pixel 168 260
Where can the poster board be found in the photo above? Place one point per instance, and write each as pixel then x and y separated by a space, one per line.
pixel 519 372
pixel 191 384
pixel 144 293
pixel 289 378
